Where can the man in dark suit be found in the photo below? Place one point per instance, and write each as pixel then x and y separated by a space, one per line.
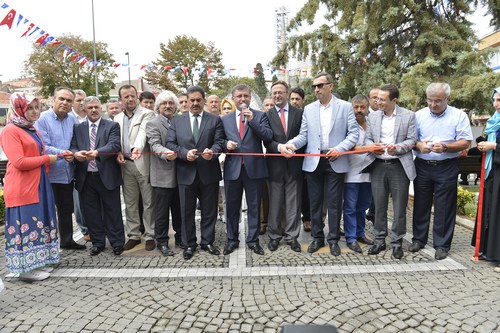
pixel 245 130
pixel 195 136
pixel 95 144
pixel 285 175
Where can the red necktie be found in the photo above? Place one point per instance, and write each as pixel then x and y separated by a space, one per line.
pixel 282 117
pixel 242 125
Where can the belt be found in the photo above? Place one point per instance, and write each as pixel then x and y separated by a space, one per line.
pixel 435 162
pixel 390 161
pixel 325 151
pixel 93 173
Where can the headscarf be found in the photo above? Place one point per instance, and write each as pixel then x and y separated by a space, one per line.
pixel 224 101
pixel 19 104
pixel 492 127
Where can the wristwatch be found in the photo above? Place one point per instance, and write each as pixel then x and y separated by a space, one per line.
pixel 445 148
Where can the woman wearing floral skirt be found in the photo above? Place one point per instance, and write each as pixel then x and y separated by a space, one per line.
pixel 30 218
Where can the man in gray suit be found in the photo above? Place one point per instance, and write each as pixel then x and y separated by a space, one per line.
pixel 162 172
pixel 328 127
pixel 391 133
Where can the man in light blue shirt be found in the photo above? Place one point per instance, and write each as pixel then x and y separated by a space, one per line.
pixel 56 128
pixel 442 133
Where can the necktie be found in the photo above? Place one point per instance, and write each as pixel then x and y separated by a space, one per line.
pixel 283 121
pixel 242 125
pixel 196 129
pixel 92 163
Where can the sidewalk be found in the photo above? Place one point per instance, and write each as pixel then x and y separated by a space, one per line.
pixel 142 291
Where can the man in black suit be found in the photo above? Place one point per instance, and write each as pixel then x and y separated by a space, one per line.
pixel 285 175
pixel 245 130
pixel 195 136
pixel 95 144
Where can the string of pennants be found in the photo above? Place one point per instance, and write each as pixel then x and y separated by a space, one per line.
pixel 14 20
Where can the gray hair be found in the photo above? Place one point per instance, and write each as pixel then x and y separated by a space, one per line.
pixel 329 78
pixel 90 99
pixel 164 96
pixel 241 87
pixel 436 87
pixel 360 98
pixel 80 92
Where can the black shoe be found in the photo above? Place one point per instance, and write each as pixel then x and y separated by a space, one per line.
pixel 117 250
pixel 295 245
pixel 415 247
pixel 440 254
pixel 370 216
pixel 376 249
pixel 364 240
pixel 335 249
pixel 179 244
pixel 165 250
pixel 73 246
pixel 229 248
pixel 273 244
pixel 257 249
pixel 315 246
pixel 210 248
pixel 397 252
pixel 188 253
pixel 95 250
pixel 354 246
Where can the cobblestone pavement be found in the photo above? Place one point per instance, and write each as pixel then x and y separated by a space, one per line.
pixel 142 291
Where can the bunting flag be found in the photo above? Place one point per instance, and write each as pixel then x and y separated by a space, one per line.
pixel 13 20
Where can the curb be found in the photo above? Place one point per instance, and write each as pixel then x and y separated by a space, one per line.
pixel 466 223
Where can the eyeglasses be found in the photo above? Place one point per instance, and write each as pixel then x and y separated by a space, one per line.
pixel 436 101
pixel 319 85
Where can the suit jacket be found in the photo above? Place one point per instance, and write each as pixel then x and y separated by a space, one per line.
pixel 162 172
pixel 343 134
pixel 137 135
pixel 256 131
pixel 107 144
pixel 180 139
pixel 276 164
pixel 405 136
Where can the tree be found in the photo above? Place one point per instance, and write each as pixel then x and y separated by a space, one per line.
pixel 185 61
pixel 229 83
pixel 260 81
pixel 407 43
pixel 52 67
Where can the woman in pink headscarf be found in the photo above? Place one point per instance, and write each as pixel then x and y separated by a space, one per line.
pixel 31 240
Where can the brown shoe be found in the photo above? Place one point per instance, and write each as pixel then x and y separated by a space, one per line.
pixel 150 245
pixel 307 226
pixel 131 243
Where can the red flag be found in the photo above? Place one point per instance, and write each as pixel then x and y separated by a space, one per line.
pixel 9 18
pixel 116 65
pixel 143 66
pixel 41 39
pixel 209 71
pixel 185 69
pixel 28 30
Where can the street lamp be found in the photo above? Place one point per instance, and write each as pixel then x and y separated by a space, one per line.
pixel 95 53
pixel 128 59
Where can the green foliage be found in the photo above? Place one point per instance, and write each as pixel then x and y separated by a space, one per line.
pixel 192 57
pixel 50 69
pixel 260 81
pixel 406 43
pixel 229 83
pixel 464 197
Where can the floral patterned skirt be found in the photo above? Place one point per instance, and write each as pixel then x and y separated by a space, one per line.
pixel 31 239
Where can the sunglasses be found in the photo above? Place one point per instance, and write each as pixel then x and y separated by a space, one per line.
pixel 319 85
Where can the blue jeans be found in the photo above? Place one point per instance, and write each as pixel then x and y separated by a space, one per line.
pixel 357 199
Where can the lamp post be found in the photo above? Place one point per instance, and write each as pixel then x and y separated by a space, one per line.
pixel 95 54
pixel 128 60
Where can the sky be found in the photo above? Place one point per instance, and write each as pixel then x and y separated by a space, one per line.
pixel 245 32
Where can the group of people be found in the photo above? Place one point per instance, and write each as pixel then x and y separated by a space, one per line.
pixel 169 153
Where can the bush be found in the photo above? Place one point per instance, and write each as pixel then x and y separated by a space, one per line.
pixel 464 197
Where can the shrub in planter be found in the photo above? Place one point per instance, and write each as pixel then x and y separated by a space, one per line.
pixel 463 198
